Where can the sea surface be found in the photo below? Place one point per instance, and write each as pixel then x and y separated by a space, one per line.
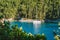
pixel 39 28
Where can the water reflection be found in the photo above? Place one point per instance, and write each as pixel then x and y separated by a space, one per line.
pixel 36 25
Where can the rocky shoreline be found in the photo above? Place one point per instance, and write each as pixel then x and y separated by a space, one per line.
pixel 10 19
pixel 31 20
pixel 22 20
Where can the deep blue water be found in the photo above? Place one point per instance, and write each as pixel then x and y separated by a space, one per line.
pixel 46 28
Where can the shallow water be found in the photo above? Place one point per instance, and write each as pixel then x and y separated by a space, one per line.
pixel 46 28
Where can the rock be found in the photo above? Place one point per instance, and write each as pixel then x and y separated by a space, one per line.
pixel 59 24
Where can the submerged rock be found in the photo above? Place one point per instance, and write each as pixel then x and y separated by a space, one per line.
pixel 21 28
pixel 59 24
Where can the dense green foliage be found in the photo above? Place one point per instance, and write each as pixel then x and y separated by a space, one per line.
pixel 15 33
pixel 34 9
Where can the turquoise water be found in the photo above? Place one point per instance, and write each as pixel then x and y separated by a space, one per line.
pixel 46 28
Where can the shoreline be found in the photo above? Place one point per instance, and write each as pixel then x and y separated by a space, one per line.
pixel 25 20
pixel 28 20
pixel 22 20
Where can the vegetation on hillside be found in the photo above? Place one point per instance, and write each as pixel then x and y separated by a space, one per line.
pixel 33 9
